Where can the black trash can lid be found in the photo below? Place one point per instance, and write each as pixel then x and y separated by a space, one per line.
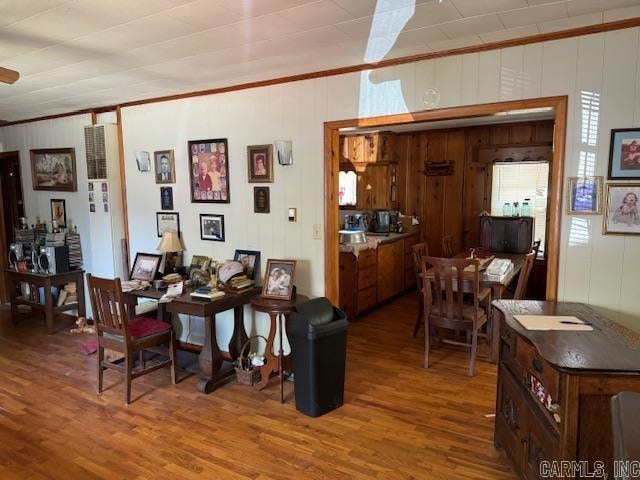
pixel 316 312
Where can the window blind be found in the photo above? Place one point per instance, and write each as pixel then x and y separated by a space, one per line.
pixel 515 181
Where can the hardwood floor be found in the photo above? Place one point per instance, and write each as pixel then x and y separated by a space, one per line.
pixel 399 421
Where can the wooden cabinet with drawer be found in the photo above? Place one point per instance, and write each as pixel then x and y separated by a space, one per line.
pixel 555 387
pixel 358 281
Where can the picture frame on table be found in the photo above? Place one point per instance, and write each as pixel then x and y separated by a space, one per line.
pixel 166 198
pixel 260 163
pixel 145 267
pixel 209 171
pixel 212 227
pixel 59 212
pixel 584 195
pixel 621 213
pixel 261 200
pixel 250 260
pixel 278 280
pixel 167 222
pixel 200 262
pixel 624 154
pixel 54 169
pixel 165 166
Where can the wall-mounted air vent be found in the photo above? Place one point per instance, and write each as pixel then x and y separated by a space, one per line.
pixel 94 139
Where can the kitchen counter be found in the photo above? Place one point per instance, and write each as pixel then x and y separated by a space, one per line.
pixel 373 240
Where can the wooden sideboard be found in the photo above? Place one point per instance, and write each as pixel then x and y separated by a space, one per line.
pixel 580 371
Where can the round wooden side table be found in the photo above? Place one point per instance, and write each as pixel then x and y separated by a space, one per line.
pixel 278 310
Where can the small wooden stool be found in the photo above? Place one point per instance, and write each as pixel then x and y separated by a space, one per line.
pixel 277 311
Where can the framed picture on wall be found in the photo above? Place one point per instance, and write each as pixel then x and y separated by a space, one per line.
pixel 167 222
pixel 54 169
pixel 209 171
pixel 584 196
pixel 212 227
pixel 59 212
pixel 166 198
pixel 624 154
pixel 260 163
pixel 165 166
pixel 278 283
pixel 261 200
pixel 621 215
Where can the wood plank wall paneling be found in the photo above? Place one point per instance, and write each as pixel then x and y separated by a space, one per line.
pixel 450 205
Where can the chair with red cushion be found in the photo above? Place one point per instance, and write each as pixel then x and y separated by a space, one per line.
pixel 118 332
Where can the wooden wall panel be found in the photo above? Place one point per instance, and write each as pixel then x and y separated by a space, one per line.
pixel 453 195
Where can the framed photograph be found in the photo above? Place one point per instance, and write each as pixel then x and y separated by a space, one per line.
pixel 143 160
pixel 54 169
pixel 261 200
pixel 250 260
pixel 624 154
pixel 59 212
pixel 200 262
pixel 260 163
pixel 212 227
pixel 166 198
pixel 621 215
pixel 145 266
pixel 165 166
pixel 584 196
pixel 209 171
pixel 167 222
pixel 278 283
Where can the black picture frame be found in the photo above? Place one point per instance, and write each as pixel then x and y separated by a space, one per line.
pixel 250 270
pixel 216 188
pixel 59 202
pixel 261 200
pixel 165 217
pixel 208 225
pixel 166 198
pixel 147 275
pixel 630 164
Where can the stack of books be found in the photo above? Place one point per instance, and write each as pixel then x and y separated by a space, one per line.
pixel 207 292
pixel 54 239
pixel 241 282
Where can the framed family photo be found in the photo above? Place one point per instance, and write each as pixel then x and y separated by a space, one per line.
pixel 250 260
pixel 54 169
pixel 624 154
pixel 212 227
pixel 167 222
pixel 621 212
pixel 145 266
pixel 209 171
pixel 260 163
pixel 584 196
pixel 278 283
pixel 165 166
pixel 261 200
pixel 59 212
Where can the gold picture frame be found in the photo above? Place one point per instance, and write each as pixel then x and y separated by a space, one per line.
pixel 584 195
pixel 260 163
pixel 164 166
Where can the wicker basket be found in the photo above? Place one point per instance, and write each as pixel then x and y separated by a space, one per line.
pixel 245 373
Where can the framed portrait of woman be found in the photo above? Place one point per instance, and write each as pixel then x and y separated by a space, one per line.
pixel 260 163
pixel 209 171
pixel 278 282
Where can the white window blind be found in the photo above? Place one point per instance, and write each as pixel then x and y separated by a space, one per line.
pixel 513 182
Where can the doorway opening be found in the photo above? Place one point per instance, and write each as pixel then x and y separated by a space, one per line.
pixel 550 206
pixel 11 207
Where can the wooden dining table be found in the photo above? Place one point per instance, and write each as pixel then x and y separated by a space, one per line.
pixel 497 290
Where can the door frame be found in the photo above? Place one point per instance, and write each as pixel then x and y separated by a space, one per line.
pixel 4 294
pixel 332 167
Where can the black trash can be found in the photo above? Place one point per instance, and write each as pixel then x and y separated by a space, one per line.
pixel 319 348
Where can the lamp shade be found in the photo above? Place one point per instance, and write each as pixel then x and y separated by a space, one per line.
pixel 170 242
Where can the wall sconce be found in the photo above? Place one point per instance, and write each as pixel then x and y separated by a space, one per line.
pixel 284 151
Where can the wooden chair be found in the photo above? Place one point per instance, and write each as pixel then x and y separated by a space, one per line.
pixel 445 307
pixel 447 246
pixel 523 278
pixel 420 252
pixel 117 331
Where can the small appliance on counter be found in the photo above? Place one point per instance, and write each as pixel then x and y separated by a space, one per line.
pixel 381 222
pixel 358 221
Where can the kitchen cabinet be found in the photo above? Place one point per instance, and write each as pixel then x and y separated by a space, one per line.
pixel 368 148
pixel 376 274
pixel 375 188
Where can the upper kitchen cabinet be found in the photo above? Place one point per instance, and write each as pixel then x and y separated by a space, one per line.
pixel 368 148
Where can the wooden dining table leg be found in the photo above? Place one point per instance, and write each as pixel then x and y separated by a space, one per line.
pixel 497 292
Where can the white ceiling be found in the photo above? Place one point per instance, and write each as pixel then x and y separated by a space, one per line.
pixel 76 54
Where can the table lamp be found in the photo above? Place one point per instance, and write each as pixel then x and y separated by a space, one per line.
pixel 173 248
